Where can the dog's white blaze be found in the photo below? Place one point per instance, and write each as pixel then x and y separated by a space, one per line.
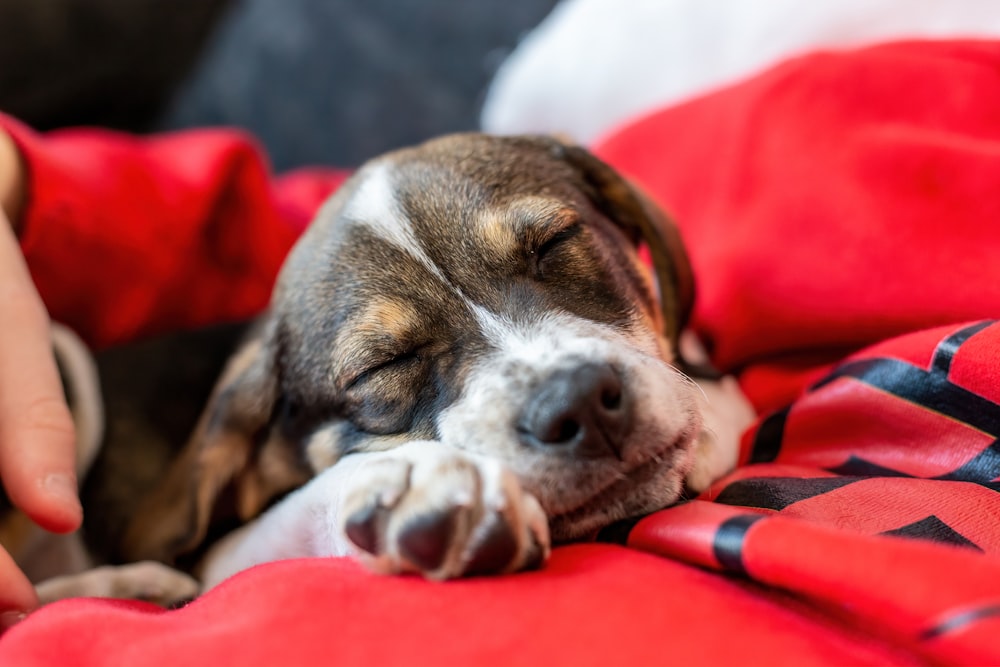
pixel 554 336
pixel 374 205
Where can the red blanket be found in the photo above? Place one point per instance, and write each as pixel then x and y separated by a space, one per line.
pixel 842 215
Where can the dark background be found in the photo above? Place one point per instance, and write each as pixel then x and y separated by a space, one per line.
pixel 317 81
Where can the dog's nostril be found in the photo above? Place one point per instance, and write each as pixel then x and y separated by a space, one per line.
pixel 562 431
pixel 581 410
pixel 611 398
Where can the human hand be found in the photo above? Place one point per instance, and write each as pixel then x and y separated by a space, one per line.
pixel 37 440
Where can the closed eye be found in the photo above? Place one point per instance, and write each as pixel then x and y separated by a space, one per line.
pixel 398 361
pixel 551 245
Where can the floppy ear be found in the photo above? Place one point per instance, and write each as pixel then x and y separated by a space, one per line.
pixel 625 204
pixel 233 464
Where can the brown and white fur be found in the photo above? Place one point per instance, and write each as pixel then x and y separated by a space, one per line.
pixel 465 360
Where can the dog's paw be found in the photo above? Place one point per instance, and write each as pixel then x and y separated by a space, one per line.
pixel 443 515
pixel 145 580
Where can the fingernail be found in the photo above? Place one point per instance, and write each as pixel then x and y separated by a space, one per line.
pixel 9 619
pixel 63 487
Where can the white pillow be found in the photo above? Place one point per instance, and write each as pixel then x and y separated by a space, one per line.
pixel 592 64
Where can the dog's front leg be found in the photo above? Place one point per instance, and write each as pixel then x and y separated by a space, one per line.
pixel 306 522
pixel 421 507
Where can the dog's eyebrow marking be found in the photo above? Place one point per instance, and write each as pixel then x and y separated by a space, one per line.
pixel 374 205
pixel 498 230
pixel 375 331
pixel 387 316
pixel 524 220
pixel 497 236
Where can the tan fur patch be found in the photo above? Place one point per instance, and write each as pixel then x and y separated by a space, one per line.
pixel 388 316
pixel 496 235
pixel 384 321
pixel 323 449
pixel 525 217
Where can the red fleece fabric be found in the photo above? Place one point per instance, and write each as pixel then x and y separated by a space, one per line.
pixel 841 212
pixel 128 237
pixel 833 202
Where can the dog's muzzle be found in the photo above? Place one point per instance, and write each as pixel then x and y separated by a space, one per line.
pixel 583 412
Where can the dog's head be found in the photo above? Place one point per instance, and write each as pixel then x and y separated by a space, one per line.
pixel 483 291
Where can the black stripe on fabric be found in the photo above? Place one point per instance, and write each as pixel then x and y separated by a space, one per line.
pixel 859 467
pixel 961 620
pixel 777 493
pixel 767 440
pixel 933 529
pixel 928 390
pixel 983 468
pixel 946 349
pixel 727 545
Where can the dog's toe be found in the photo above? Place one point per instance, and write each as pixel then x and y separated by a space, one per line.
pixel 432 523
pixel 514 532
pixel 376 491
pixel 362 525
pixel 425 541
pixel 496 548
pixel 539 545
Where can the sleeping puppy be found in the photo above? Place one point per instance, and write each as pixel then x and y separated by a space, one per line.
pixel 465 360
pixel 468 351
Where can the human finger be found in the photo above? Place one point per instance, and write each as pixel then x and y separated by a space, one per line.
pixel 17 595
pixel 37 440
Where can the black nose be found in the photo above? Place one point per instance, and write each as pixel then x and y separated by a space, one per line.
pixel 581 410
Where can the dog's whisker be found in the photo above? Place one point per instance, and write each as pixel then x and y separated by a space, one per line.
pixel 691 382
